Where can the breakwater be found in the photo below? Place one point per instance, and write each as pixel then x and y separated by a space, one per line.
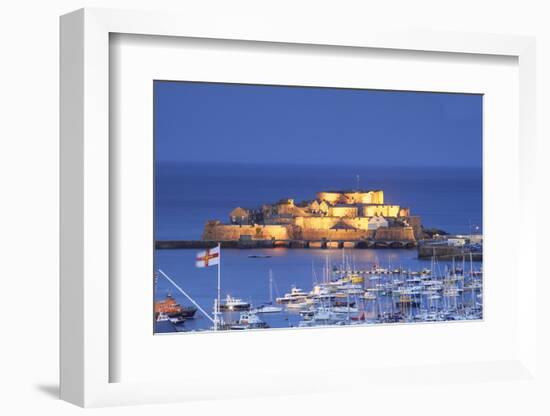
pixel 448 252
pixel 251 244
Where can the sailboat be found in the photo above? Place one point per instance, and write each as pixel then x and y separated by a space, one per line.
pixel 269 307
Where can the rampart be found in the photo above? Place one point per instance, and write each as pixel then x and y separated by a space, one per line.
pixel 215 231
pixel 395 234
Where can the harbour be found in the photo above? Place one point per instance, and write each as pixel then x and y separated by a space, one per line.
pixel 387 259
pixel 325 287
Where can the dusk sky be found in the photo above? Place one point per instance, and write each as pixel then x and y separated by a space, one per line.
pixel 207 122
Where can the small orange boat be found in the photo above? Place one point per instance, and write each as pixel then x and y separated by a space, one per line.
pixel 173 309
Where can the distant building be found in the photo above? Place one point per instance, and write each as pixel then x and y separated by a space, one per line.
pixel 376 222
pixel 314 206
pixel 343 210
pixel 456 242
pixel 333 215
pixel 383 210
pixel 239 216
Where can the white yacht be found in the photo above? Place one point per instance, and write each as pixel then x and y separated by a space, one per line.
pixel 249 320
pixel 267 309
pixel 234 304
pixel 296 295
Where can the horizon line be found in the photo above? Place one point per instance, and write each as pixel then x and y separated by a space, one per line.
pixel 306 164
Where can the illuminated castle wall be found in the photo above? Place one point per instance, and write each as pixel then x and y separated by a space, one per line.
pixel 333 215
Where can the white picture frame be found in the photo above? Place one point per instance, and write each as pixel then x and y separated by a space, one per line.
pixel 87 355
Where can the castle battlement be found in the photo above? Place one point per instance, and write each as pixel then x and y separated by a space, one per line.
pixel 352 197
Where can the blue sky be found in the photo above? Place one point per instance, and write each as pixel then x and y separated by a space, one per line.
pixel 209 122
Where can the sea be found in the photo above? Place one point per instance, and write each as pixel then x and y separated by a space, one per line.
pixel 187 195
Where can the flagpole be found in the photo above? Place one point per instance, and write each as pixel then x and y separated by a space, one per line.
pixel 219 285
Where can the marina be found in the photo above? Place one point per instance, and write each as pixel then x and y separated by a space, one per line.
pixel 327 288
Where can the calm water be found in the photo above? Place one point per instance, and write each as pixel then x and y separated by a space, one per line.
pixel 189 195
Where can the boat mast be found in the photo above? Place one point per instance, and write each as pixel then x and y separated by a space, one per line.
pixel 313 274
pixel 270 286
pixel 219 288
pixel 471 266
pixel 326 269
pixel 454 268
pixel 343 259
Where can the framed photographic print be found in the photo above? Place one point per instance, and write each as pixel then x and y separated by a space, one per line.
pixel 320 211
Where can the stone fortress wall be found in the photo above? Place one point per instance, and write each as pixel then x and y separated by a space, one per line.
pixel 215 231
pixel 333 215
pixel 335 235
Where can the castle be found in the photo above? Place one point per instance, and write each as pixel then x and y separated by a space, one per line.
pixel 345 216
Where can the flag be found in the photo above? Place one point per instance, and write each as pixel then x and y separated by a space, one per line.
pixel 210 257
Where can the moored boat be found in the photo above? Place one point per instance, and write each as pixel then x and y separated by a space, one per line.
pixel 172 309
pixel 162 317
pixel 369 296
pixel 407 300
pixel 295 296
pixel 267 309
pixel 248 320
pixel 230 304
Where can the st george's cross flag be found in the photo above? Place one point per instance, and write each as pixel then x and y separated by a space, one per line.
pixel 210 257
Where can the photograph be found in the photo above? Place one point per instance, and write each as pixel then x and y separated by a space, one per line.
pixel 293 207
